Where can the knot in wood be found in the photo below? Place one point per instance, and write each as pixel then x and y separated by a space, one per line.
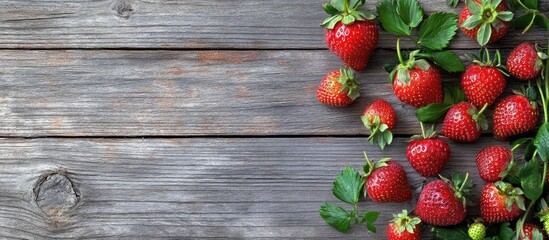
pixel 56 194
pixel 122 9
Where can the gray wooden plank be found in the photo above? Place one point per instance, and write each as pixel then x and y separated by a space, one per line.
pixel 237 24
pixel 172 93
pixel 189 188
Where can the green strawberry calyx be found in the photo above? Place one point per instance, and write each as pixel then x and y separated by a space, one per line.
pixel 379 132
pixel 485 16
pixel 346 12
pixel 543 215
pixel 477 230
pixel 530 93
pixel 405 222
pixel 402 70
pixel 349 85
pixel 461 186
pixel 539 60
pixel 513 195
pixel 369 167
pixel 430 133
pixel 484 60
pixel 479 117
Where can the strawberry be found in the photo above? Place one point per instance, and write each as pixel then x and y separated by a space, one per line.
pixel 428 154
pixel 351 32
pixel 483 81
pixel 443 203
pixel 463 123
pixel 386 181
pixel 477 230
pixel 484 20
pixel 417 82
pixel 379 117
pixel 528 232
pixel 525 61
pixel 501 202
pixel 493 163
pixel 338 88
pixel 404 227
pixel 516 114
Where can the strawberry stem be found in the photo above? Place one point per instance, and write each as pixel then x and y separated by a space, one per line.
pixel 464 181
pixel 422 130
pixel 543 100
pixel 398 52
pixel 346 6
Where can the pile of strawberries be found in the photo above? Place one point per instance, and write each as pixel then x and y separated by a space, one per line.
pixel 513 187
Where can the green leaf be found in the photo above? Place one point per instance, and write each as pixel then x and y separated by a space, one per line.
pixel 452 3
pixel 390 20
pixel 347 186
pixel 530 180
pixel 356 3
pixel 453 94
pixel 370 218
pixel 338 4
pixel 329 9
pixel 449 61
pixel 484 33
pixel 529 152
pixel 437 31
pixel 505 231
pixel 335 216
pixel 410 12
pixel 542 142
pixel 432 112
pixel 532 4
pixel 522 21
pixel 451 233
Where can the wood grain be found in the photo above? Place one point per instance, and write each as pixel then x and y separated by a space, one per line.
pixel 171 24
pixel 192 188
pixel 195 93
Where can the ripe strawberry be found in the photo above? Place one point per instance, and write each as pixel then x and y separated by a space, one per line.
pixel 417 82
pixel 386 181
pixel 338 88
pixel 525 61
pixel 463 123
pixel 516 114
pixel 404 227
pixel 477 230
pixel 501 202
pixel 428 154
pixel 485 21
pixel 379 117
pixel 351 33
pixel 443 203
pixel 528 230
pixel 493 163
pixel 483 81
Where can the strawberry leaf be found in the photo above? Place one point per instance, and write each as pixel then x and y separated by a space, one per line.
pixel 432 112
pixel 437 31
pixel 370 218
pixel 505 231
pixel 449 61
pixel 451 233
pixel 390 19
pixel 347 186
pixel 453 94
pixel 530 179
pixel 410 12
pixel 335 216
pixel 532 4
pixel 542 142
pixel 452 3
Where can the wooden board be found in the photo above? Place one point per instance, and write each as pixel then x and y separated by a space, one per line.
pixel 282 24
pixel 195 93
pixel 192 188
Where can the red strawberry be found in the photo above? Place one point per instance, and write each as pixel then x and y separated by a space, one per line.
pixel 528 230
pixel 483 81
pixel 515 114
pixel 493 163
pixel 428 154
pixel 379 117
pixel 404 227
pixel 386 181
pixel 486 23
pixel 351 33
pixel 338 88
pixel 525 62
pixel 443 203
pixel 417 82
pixel 500 202
pixel 463 123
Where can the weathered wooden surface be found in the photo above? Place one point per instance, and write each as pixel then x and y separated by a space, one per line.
pixel 192 188
pixel 237 24
pixel 230 84
pixel 195 93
